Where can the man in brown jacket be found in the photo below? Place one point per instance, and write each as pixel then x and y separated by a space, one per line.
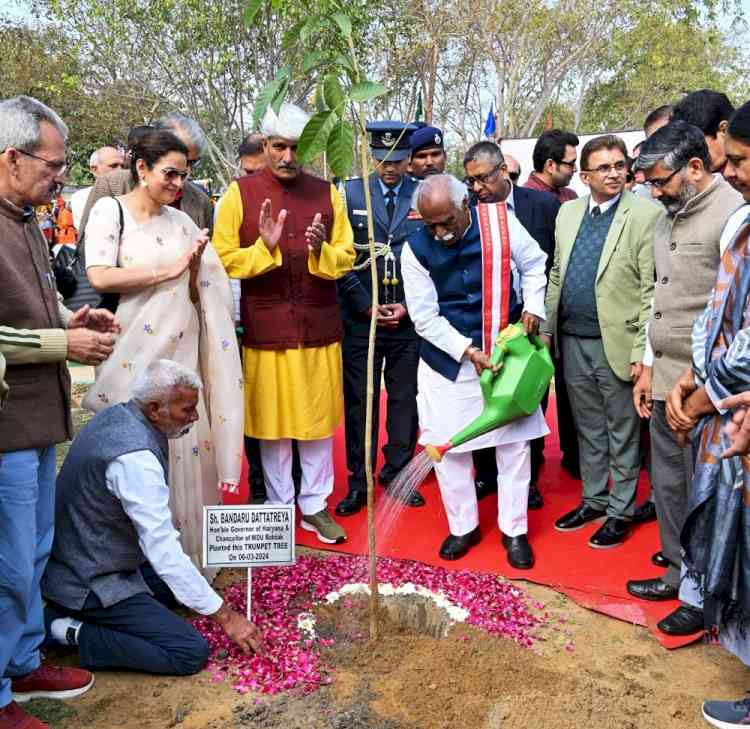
pixel 37 413
pixel 677 164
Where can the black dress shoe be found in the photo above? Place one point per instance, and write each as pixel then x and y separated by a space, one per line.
pixel 414 499
pixel 456 547
pixel 611 534
pixel 351 504
pixel 644 513
pixel 485 487
pixel 685 620
pixel 535 497
pixel 519 552
pixel 654 589
pixel 660 560
pixel 579 517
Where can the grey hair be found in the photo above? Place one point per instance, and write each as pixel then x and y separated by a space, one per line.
pixel 157 382
pixel 20 123
pixel 94 159
pixel 176 123
pixel 484 151
pixel 674 145
pixel 438 183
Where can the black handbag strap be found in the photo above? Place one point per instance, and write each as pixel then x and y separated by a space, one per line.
pixel 79 245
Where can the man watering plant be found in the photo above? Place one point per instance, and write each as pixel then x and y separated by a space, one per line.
pixel 455 310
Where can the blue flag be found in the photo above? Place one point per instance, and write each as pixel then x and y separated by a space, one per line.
pixel 490 126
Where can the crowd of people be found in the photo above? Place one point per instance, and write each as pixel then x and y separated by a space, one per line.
pixel 639 288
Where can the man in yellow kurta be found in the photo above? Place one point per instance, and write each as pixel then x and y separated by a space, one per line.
pixel 286 234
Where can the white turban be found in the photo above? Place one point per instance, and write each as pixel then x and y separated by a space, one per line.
pixel 288 124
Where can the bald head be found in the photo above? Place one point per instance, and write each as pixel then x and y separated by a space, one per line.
pixel 514 168
pixel 106 159
pixel 443 203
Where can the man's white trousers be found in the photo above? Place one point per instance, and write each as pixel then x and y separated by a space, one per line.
pixel 316 458
pixel 455 474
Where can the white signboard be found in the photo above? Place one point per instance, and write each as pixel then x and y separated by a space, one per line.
pixel 248 536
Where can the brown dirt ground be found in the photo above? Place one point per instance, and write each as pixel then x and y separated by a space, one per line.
pixel 616 677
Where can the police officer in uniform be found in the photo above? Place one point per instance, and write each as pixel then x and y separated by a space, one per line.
pixel 396 344
pixel 427 154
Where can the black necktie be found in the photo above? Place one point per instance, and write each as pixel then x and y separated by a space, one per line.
pixel 390 204
pixel 596 212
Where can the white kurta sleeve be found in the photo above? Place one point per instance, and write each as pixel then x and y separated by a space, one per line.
pixel 422 304
pixel 529 259
pixel 137 480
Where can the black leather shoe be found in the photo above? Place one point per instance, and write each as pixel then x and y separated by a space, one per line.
pixel 414 499
pixel 644 513
pixel 485 487
pixel 579 517
pixel 654 589
pixel 535 497
pixel 456 547
pixel 611 534
pixel 660 560
pixel 519 552
pixel 351 504
pixel 685 620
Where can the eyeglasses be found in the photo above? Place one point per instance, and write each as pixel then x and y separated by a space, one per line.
pixel 620 166
pixel 58 166
pixel 172 174
pixel 482 179
pixel 565 162
pixel 664 181
pixel 514 176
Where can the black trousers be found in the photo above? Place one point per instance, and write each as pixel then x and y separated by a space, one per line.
pixel 484 460
pixel 140 633
pixel 565 424
pixel 399 358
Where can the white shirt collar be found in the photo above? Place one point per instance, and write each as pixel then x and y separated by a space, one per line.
pixel 603 207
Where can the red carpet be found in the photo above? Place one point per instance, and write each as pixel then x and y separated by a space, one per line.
pixel 593 578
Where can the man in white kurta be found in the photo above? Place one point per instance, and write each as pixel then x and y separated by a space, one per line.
pixel 442 266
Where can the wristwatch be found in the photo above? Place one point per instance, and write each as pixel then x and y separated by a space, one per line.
pixel 470 352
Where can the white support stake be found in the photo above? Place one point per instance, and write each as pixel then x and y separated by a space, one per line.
pixel 250 594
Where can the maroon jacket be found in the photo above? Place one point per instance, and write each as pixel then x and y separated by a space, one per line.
pixel 287 307
pixel 563 194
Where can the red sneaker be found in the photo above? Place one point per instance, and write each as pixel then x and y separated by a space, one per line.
pixel 52 682
pixel 13 716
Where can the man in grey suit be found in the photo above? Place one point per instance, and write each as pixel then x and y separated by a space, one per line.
pixel 598 303
pixel 687 250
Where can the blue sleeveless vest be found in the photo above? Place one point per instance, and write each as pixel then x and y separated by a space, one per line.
pixel 456 272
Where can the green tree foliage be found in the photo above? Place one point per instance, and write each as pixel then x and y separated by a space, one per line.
pixel 657 61
pixel 44 65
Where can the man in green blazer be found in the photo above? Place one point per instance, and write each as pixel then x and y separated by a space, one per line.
pixel 598 302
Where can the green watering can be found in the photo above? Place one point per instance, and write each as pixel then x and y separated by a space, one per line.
pixel 514 392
